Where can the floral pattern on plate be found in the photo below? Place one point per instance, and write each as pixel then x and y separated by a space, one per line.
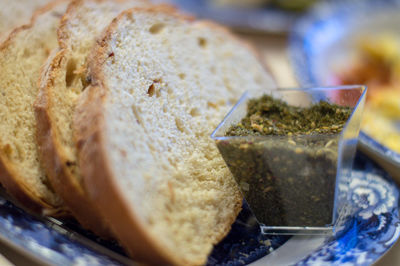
pixel 370 229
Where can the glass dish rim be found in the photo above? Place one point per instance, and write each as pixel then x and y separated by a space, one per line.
pixel 307 89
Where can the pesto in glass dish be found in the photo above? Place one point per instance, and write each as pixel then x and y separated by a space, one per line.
pixel 287 153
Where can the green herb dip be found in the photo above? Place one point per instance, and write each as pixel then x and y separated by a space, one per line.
pixel 286 165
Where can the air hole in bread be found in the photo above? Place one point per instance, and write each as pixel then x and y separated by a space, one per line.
pixel 202 42
pixel 213 70
pixel 156 28
pixel 70 75
pixel 72 166
pixel 209 156
pixel 57 14
pixel 151 90
pixel 88 80
pixel 182 76
pixel 7 150
pixel 152 148
pixel 194 112
pixel 212 105
pixel 70 163
pixel 47 51
pixel 179 124
pixel 85 81
pixel 27 52
pixel 123 153
pixel 128 15
pixel 170 91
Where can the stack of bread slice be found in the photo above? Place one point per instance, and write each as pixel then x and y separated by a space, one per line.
pixel 63 79
pixel 21 57
pixel 125 95
pixel 14 13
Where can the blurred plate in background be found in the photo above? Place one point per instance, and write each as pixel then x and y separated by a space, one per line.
pixel 326 48
pixel 264 18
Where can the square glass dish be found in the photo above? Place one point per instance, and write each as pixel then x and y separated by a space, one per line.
pixel 294 184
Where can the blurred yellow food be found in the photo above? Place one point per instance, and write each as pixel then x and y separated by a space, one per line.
pixel 381 129
pixel 384 47
pixel 383 106
pixel 378 67
pixel 386 102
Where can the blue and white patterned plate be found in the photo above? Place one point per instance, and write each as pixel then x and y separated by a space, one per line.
pixel 326 37
pixel 365 234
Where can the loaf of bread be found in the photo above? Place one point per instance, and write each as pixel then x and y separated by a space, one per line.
pixel 158 84
pixel 21 57
pixel 62 81
pixel 15 13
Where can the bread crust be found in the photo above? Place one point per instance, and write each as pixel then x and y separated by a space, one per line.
pixel 62 34
pixel 98 177
pixel 6 39
pixel 9 177
pixel 56 164
pixel 99 182
pixel 52 152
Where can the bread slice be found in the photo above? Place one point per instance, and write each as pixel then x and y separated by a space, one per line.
pixel 15 13
pixel 21 57
pixel 159 84
pixel 62 82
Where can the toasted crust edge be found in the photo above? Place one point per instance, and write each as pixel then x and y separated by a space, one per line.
pixel 97 174
pixel 9 177
pixel 98 177
pixel 52 152
pixel 20 193
pixel 55 163
pixel 62 35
